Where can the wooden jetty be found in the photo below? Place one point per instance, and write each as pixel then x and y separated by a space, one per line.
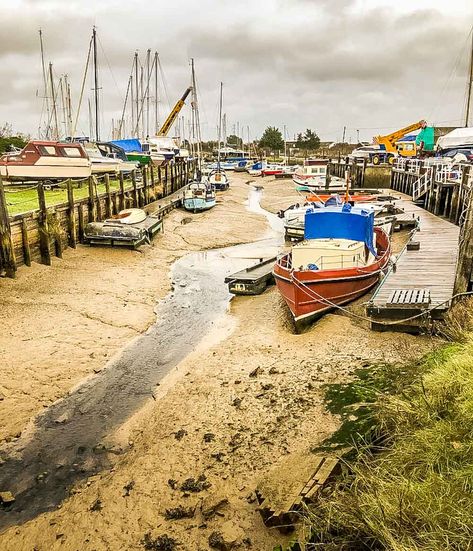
pixel 252 280
pixel 423 277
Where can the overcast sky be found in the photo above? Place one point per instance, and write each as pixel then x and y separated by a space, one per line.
pixel 372 65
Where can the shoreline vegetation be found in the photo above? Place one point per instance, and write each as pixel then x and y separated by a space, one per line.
pixel 407 481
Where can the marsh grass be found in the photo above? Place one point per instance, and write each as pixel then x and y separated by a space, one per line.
pixel 411 487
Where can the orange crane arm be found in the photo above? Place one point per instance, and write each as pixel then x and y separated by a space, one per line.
pixel 389 141
pixel 174 113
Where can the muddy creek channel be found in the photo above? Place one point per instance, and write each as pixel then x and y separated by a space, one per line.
pixel 65 443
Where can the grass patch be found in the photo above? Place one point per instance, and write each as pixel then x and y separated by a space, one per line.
pixel 415 491
pixel 24 200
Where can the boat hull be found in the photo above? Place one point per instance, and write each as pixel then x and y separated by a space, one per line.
pixel 311 293
pixel 197 204
pixel 43 172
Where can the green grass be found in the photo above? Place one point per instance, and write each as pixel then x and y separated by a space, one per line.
pixel 413 489
pixel 24 200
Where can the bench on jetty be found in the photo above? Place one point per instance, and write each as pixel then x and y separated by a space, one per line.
pixel 422 278
pixel 252 280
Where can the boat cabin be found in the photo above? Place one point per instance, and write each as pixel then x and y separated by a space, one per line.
pixel 46 160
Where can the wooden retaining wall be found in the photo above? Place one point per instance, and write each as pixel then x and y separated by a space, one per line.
pixel 37 235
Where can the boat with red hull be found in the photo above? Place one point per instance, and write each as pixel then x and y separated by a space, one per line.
pixel 341 259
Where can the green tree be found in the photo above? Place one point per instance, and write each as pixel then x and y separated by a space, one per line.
pixel 234 141
pixel 272 139
pixel 309 141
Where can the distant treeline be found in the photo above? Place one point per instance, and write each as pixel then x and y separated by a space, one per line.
pixel 7 142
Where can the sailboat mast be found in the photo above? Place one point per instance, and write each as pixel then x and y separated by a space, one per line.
pixel 220 123
pixel 156 92
pixel 96 87
pixel 470 81
pixel 137 92
pixel 53 93
pixel 45 85
pixel 148 76
pixel 196 118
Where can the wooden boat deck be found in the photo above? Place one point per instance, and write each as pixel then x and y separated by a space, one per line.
pixel 426 266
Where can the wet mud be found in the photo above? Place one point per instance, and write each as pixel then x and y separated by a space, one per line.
pixel 66 443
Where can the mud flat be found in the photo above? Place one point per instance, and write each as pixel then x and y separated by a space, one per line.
pixel 244 397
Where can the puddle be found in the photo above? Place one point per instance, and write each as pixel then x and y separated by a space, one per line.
pixel 66 441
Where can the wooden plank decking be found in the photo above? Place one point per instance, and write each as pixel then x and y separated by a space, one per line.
pixel 430 268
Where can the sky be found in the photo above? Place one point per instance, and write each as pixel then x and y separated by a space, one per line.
pixel 371 66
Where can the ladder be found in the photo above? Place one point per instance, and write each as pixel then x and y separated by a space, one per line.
pixel 422 185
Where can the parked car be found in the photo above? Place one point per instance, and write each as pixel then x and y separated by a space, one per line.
pixel 458 154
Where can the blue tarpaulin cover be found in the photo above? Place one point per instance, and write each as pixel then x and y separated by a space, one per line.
pixel 345 222
pixel 129 146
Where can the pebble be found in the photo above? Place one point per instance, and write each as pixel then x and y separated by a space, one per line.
pixel 6 498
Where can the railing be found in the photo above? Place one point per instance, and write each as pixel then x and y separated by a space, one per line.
pixel 330 262
pixel 421 186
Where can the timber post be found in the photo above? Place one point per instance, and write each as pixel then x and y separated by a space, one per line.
pixel 57 236
pixel 121 195
pixel 92 208
pixel 25 242
pixel 108 199
pixel 71 215
pixel 135 189
pixel 7 253
pixel 81 225
pixel 144 173
pixel 44 245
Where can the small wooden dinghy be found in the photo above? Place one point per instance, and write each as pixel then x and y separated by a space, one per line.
pixel 128 228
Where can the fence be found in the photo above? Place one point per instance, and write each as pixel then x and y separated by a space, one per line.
pixel 36 235
pixel 442 188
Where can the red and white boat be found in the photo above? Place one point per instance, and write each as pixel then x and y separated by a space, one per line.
pixel 44 160
pixel 341 258
pixel 314 176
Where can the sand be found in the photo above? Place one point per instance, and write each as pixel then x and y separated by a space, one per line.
pixel 213 415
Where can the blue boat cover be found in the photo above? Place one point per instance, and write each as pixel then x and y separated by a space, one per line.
pixel 344 222
pixel 132 145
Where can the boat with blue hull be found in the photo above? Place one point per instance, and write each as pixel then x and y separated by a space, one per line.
pixel 198 197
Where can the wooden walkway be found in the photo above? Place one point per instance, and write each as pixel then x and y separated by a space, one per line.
pixel 428 269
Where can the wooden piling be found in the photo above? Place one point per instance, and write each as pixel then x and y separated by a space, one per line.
pixel 121 195
pixel 25 242
pixel 92 207
pixel 81 225
pixel 57 236
pixel 136 202
pixel 71 215
pixel 7 253
pixel 44 240
pixel 108 199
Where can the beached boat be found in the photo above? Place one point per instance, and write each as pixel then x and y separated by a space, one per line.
pixel 199 196
pixel 341 258
pixel 104 164
pixel 129 228
pixel 161 149
pixel 45 160
pixel 218 179
pixel 313 175
pixel 133 150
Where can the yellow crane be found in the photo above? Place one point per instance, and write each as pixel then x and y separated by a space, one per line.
pixel 390 147
pixel 174 113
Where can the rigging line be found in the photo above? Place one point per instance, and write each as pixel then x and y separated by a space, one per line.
pixel 143 98
pixel 82 89
pixel 163 80
pixel 457 61
pixel 110 69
